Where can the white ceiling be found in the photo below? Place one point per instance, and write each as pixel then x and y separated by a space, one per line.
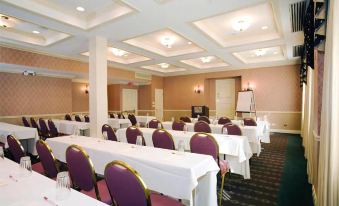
pixel 201 28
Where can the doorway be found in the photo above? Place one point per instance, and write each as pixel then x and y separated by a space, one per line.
pixel 130 100
pixel 225 97
pixel 159 104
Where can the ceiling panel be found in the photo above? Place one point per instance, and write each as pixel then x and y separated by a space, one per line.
pixel 261 55
pixel 164 68
pixel 206 62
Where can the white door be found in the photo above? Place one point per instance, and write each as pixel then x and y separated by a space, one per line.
pixel 225 97
pixel 159 104
pixel 129 100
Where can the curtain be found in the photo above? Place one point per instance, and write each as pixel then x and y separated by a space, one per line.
pixel 328 170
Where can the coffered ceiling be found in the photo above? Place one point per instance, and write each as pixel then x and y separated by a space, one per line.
pixel 161 37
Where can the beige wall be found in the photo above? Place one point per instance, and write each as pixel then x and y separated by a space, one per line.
pixel 80 100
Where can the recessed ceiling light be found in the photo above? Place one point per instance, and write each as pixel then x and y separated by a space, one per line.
pixel 79 8
pixel 36 32
pixel 241 24
pixel 167 41
pixel 206 59
pixel 118 52
pixel 189 42
pixel 164 65
pixel 264 27
pixel 260 52
pixel 6 22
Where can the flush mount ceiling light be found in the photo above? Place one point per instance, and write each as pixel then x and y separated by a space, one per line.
pixel 79 8
pixel 260 52
pixel 6 22
pixel 164 65
pixel 118 52
pixel 206 59
pixel 167 41
pixel 241 24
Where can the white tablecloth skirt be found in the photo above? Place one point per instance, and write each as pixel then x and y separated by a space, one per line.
pixel 119 123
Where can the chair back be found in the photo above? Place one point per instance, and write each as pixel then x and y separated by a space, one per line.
pixel 179 126
pixel 202 126
pixel 15 148
pixel 154 124
pixel 121 116
pixel 162 139
pixel 34 124
pixel 86 118
pixel 126 185
pixel 68 117
pixel 224 120
pixel 25 122
pixel 132 118
pixel 132 133
pixel 48 161
pixel 43 128
pixel 77 118
pixel 232 129
pixel 186 119
pixel 249 122
pixel 203 143
pixel 80 168
pixel 205 119
pixel 111 115
pixel 110 132
pixel 52 129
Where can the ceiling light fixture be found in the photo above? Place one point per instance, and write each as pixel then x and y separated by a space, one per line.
pixel 260 52
pixel 275 52
pixel 189 42
pixel 167 41
pixel 36 32
pixel 206 59
pixel 118 52
pixel 264 27
pixel 241 24
pixel 79 8
pixel 6 22
pixel 164 65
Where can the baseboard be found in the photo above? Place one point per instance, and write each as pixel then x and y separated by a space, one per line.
pixel 286 131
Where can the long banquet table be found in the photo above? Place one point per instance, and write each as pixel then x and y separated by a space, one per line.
pixel 184 176
pixel 236 148
pixel 144 119
pixel 119 123
pixel 30 135
pixel 31 190
pixel 253 133
pixel 68 127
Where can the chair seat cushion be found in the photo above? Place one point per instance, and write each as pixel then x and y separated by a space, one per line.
pixel 103 192
pixel 224 166
pixel 37 167
pixel 161 200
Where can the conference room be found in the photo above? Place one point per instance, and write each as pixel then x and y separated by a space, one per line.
pixel 169 102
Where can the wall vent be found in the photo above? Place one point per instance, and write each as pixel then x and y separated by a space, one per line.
pixel 297 50
pixel 143 76
pixel 297 14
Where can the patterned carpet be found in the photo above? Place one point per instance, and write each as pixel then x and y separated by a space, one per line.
pixel 267 172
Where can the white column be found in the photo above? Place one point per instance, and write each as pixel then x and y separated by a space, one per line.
pixel 98 106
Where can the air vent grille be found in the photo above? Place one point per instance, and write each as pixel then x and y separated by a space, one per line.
pixel 143 76
pixel 297 50
pixel 297 14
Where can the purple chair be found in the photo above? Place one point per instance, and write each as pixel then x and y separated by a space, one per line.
pixel 68 117
pixel 77 118
pixel 132 118
pixel 86 118
pixel 110 133
pixel 185 119
pixel 128 189
pixel 162 139
pixel 111 115
pixel 44 129
pixel 202 126
pixel 202 143
pixel 53 131
pixel 205 119
pixel 154 123
pixel 15 148
pixel 178 126
pixel 25 122
pixel 132 133
pixel 121 116
pixel 232 129
pixel 249 122
pixel 82 174
pixel 224 120
pixel 47 159
pixel 35 125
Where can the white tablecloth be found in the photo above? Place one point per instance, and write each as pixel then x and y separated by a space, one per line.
pixel 263 129
pixel 29 191
pixel 176 175
pixel 30 135
pixel 236 148
pixel 119 123
pixel 144 119
pixel 68 127
pixel 251 132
